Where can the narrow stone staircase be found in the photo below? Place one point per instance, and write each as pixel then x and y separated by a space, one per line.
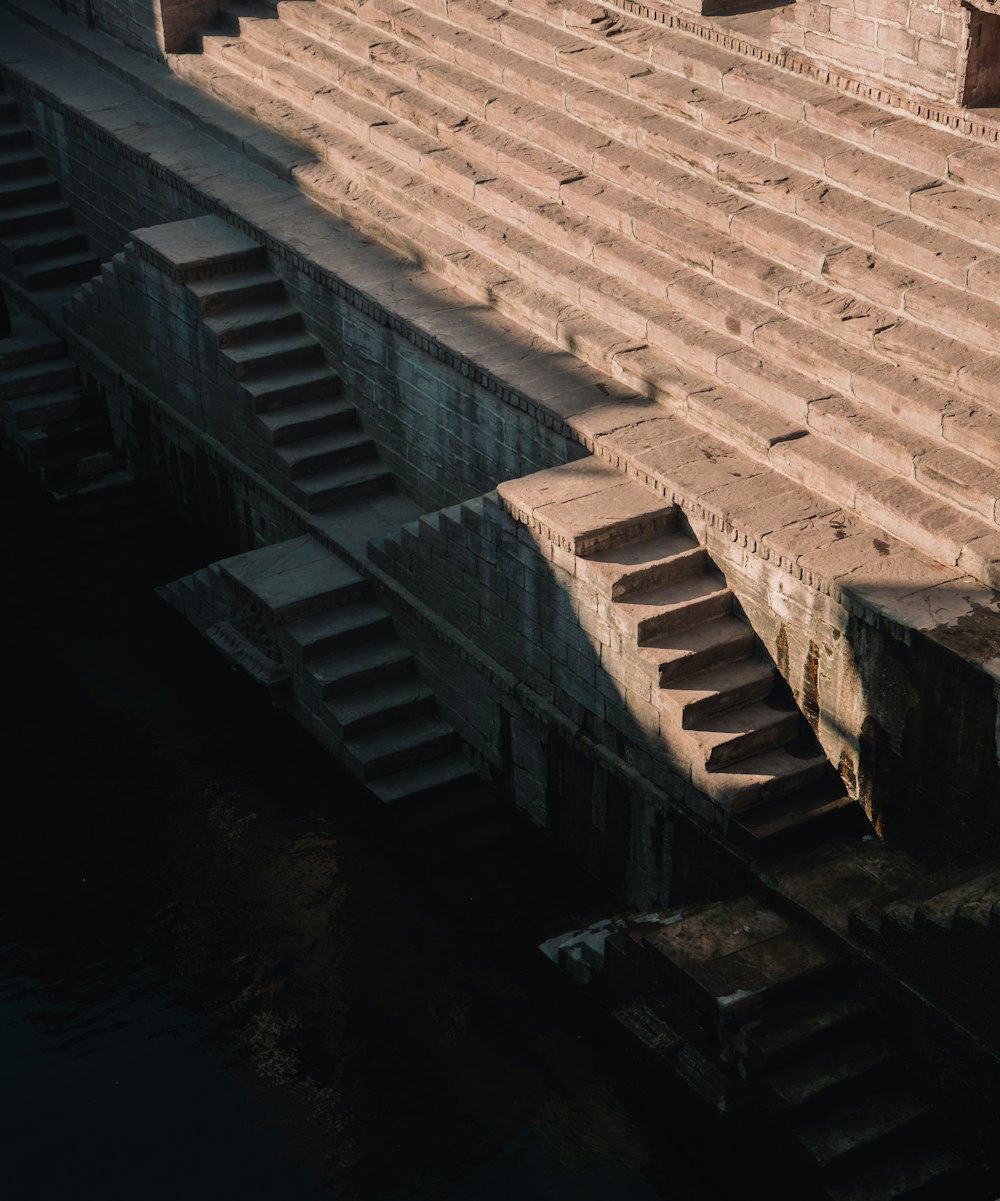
pixel 299 620
pixel 296 396
pixel 716 706
pixel 753 1011
pixel 41 246
pixel 49 420
pixel 810 276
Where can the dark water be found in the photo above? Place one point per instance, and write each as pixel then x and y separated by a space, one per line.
pixel 215 984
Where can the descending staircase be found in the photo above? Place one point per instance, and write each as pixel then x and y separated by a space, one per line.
pixel 48 419
pixel 41 246
pixel 294 615
pixel 806 274
pixel 296 396
pixel 751 1009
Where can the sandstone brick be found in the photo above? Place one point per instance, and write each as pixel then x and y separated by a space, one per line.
pixel 786 238
pixel 873 275
pixel 876 178
pixel 866 433
pixel 787 391
pixel 853 120
pixel 962 212
pixel 964 481
pixel 938 254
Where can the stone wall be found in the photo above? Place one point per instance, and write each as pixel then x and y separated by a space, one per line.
pixel 155 27
pixel 915 46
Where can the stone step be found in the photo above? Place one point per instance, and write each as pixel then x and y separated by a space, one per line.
pixel 83 462
pixel 927 1173
pixel 936 915
pixel 699 648
pixel 28 190
pixel 241 323
pixel 37 409
pixel 15 137
pixel 763 777
pixel 394 747
pixel 352 668
pixel 855 1129
pixel 334 485
pixel 831 1072
pixel 424 780
pixel 26 379
pixel 804 1025
pixel 25 218
pixel 261 358
pixel 663 559
pixel 707 694
pixel 19 162
pixel 392 701
pixel 803 819
pixel 318 452
pixel 321 633
pixel 291 386
pixel 672 608
pixel 296 578
pixel 61 435
pixel 55 241
pixel 735 735
pixel 29 343
pixel 8 110
pixel 72 267
pixel 219 295
pixel 307 419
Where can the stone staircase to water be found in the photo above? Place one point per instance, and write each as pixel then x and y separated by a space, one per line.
pixel 50 421
pixel 41 245
pixel 295 617
pixel 752 1010
pixel 810 276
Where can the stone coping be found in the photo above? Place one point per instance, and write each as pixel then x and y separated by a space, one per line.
pixel 732 34
pixel 138 107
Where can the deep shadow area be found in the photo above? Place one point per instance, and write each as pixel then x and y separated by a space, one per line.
pixel 214 983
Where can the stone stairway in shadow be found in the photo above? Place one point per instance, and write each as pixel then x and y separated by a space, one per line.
pixel 756 1013
pixel 41 246
pixel 305 625
pixel 803 274
pixel 242 357
pixel 58 428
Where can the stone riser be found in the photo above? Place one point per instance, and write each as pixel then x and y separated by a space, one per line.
pixel 830 423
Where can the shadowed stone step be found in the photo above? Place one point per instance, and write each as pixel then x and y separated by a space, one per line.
pixel 307 419
pixel 29 343
pixel 291 386
pixel 38 409
pixel 20 162
pixel 391 748
pixel 224 293
pixel 830 1072
pixel 30 378
pixel 936 915
pixel 856 1127
pixel 424 779
pixel 318 452
pixel 41 215
pixel 322 632
pixel 927 1173
pixel 263 358
pixel 792 822
pixel 14 136
pixel 335 484
pixel 385 703
pixel 245 321
pixel 69 268
pixel 349 669
pixel 45 244
pixel 296 578
pixel 762 777
pixel 804 1025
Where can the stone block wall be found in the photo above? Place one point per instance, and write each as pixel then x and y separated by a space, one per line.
pixel 156 27
pixel 918 47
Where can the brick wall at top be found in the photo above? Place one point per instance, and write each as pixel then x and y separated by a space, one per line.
pixel 912 46
pixel 152 26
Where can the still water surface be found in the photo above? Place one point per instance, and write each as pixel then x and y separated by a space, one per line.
pixel 214 983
